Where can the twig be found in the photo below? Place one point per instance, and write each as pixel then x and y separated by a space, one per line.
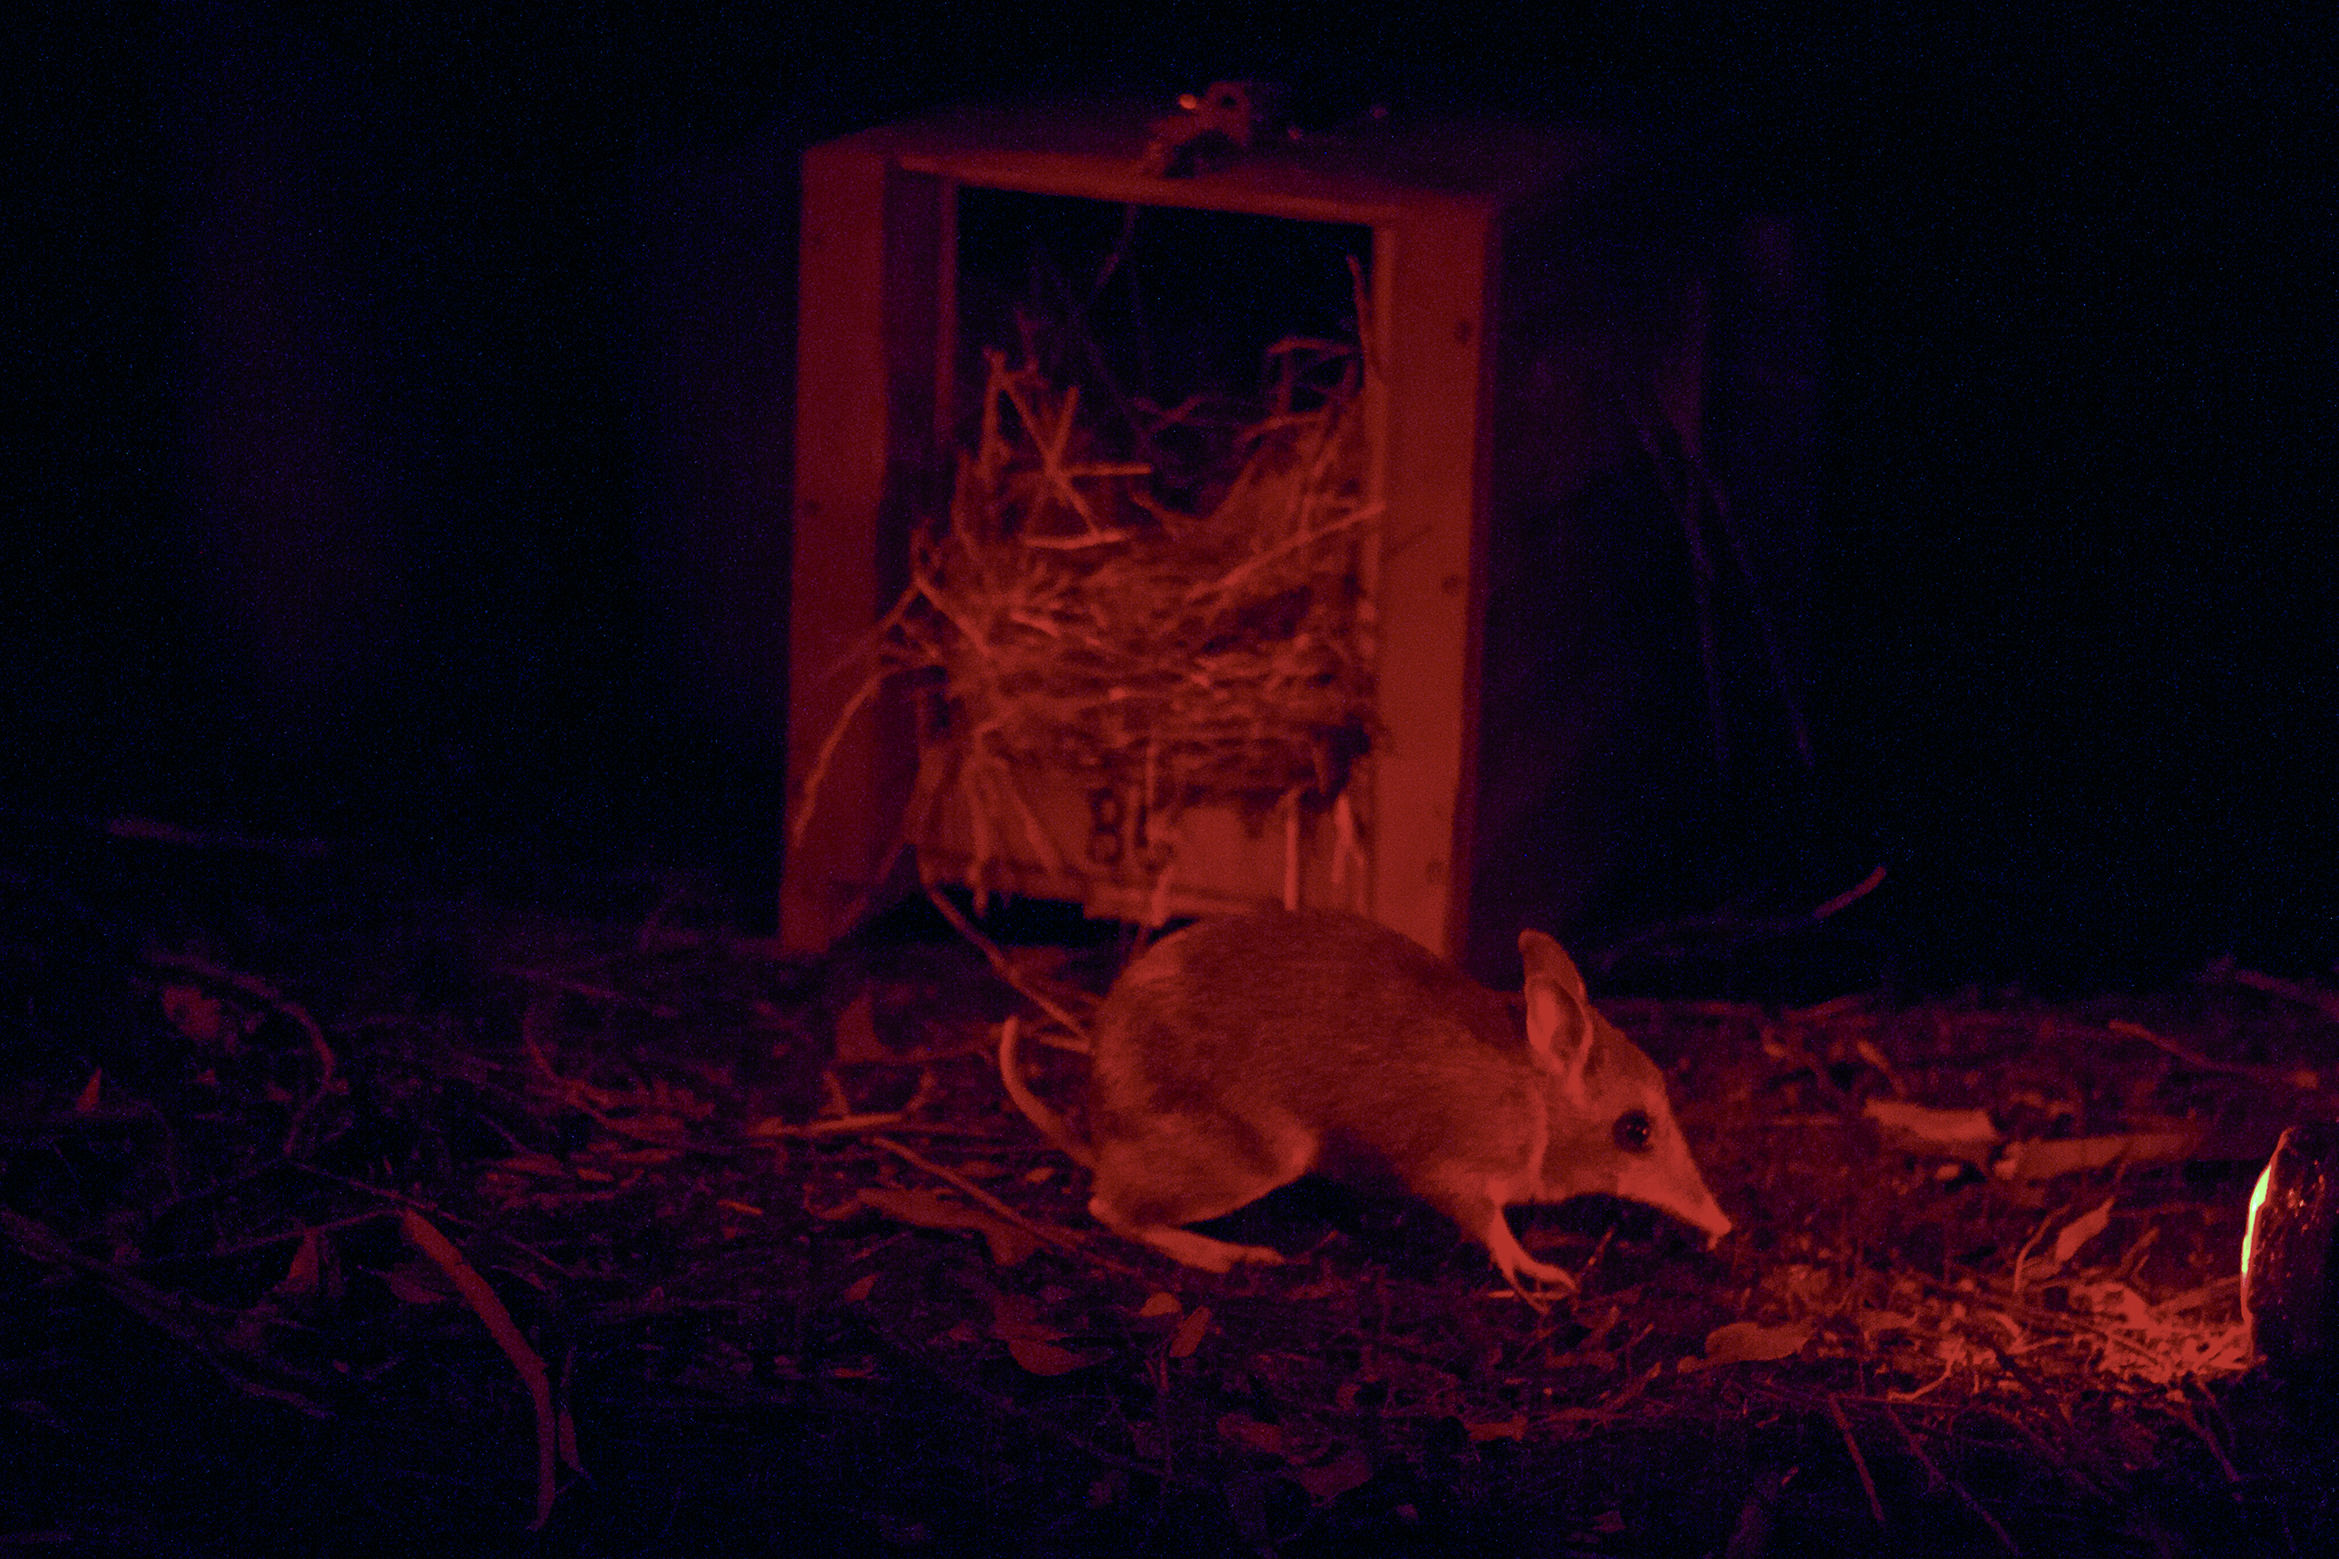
pixel 153 831
pixel 418 1204
pixel 2185 1053
pixel 592 992
pixel 573 1094
pixel 2054 1457
pixel 166 1312
pixel 1817 1012
pixel 2177 1304
pixel 214 1188
pixel 1729 929
pixel 1927 1389
pixel 2183 1413
pixel 1000 965
pixel 1852 895
pixel 2325 1002
pixel 2023 1254
pixel 1942 1479
pixel 834 1126
pixel 1251 565
pixel 265 1241
pixel 839 1125
pixel 1835 1408
pixel 1584 1275
pixel 1059 1238
pixel 954 1383
pixel 828 751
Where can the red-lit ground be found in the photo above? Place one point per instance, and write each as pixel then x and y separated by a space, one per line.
pixel 797 1276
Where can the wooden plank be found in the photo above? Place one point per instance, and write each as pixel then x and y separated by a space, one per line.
pixel 866 309
pixel 1366 175
pixel 1436 295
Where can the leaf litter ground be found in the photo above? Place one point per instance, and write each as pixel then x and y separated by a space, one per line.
pixel 437 1221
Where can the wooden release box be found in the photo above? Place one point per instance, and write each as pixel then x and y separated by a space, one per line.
pixel 1482 411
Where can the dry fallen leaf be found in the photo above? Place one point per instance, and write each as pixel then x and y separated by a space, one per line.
pixel 1250 1433
pixel 1921 1128
pixel 1514 1428
pixel 1872 1322
pixel 1328 1481
pixel 302 1278
pixel 2080 1230
pixel 1032 1342
pixel 1045 1358
pixel 2044 1160
pixel 2117 1302
pixel 203 1018
pixel 928 1210
pixel 1189 1334
pixel 1160 1302
pixel 417 1283
pixel 1750 1342
pixel 856 1035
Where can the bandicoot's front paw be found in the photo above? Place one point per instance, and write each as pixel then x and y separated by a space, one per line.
pixel 1550 1276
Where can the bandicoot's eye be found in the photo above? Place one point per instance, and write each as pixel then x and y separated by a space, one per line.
pixel 1632 1131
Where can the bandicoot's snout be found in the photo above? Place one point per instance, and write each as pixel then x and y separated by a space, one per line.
pixel 1684 1197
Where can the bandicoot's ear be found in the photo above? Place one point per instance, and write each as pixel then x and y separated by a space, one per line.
pixel 1559 1016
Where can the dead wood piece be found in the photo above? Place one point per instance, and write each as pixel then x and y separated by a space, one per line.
pixel 261 991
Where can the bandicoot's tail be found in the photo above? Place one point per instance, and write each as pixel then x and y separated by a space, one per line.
pixel 1052 1125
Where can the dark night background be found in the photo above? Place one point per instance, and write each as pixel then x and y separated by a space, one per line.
pixel 401 412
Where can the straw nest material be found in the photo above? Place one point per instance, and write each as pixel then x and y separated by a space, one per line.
pixel 1071 617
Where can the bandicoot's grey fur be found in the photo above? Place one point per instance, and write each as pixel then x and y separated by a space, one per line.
pixel 1240 1053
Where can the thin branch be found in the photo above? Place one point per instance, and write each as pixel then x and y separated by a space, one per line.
pixel 2325 1002
pixel 999 962
pixel 1942 1479
pixel 1062 1239
pixel 1835 1408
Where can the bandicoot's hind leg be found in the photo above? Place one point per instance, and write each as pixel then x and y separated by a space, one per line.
pixel 1181 1245
pixel 1181 1172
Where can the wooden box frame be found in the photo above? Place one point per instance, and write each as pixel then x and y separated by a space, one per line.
pixel 1462 221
